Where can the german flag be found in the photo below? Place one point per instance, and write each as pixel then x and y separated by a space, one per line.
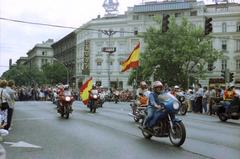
pixel 84 91
pixel 133 59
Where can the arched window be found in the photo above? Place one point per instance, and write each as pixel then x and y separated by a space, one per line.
pixel 122 33
pixel 224 27
pixel 238 26
pixel 99 66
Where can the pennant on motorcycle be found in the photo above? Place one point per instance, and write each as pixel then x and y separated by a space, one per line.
pixel 84 90
pixel 133 59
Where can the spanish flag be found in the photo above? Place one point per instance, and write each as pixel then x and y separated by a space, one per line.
pixel 84 90
pixel 133 59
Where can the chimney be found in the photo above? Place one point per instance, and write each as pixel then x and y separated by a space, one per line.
pixel 99 16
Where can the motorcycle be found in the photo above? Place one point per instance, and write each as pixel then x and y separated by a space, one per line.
pixel 65 105
pixel 138 112
pixel 101 100
pixel 233 112
pixel 181 98
pixel 129 97
pixel 55 97
pixel 164 123
pixel 116 96
pixel 93 100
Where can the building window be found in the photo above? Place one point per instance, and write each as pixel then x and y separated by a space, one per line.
pixel 224 45
pixel 237 64
pixel 194 26
pixel 194 13
pixel 224 64
pixel 111 66
pixel 238 45
pixel 135 30
pixel 99 66
pixel 177 15
pixel 42 61
pixel 44 53
pixel 120 66
pixel 122 33
pixel 135 17
pixel 238 26
pixel 121 49
pixel 150 16
pixel 99 34
pixel 45 60
pixel 98 83
pixel 224 27
pixel 99 49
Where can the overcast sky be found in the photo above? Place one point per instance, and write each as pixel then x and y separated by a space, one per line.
pixel 17 38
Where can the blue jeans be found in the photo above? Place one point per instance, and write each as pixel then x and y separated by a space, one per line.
pixel 151 111
pixel 57 102
pixel 205 105
pixel 227 103
pixel 193 105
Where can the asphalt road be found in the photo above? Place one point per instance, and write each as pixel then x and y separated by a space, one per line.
pixel 40 133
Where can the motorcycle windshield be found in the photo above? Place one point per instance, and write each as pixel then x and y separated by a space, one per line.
pixel 94 91
pixel 67 93
pixel 166 97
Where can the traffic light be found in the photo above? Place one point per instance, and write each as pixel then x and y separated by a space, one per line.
pixel 223 75
pixel 165 23
pixel 208 26
pixel 231 76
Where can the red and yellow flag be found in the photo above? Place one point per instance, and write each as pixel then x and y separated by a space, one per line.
pixel 133 59
pixel 84 90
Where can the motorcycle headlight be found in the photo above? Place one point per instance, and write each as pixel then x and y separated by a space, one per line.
pixel 67 98
pixel 181 98
pixel 175 105
pixel 94 96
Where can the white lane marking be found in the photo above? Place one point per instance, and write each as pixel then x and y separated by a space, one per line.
pixel 90 114
pixel 22 144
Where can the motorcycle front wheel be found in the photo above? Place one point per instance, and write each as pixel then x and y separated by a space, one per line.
pixel 179 135
pixel 146 135
pixel 94 107
pixel 183 109
pixel 222 116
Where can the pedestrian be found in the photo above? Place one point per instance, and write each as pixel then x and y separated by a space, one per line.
pixel 196 109
pixel 46 93
pixel 205 99
pixel 192 98
pixel 41 96
pixel 212 95
pixel 4 97
pixel 199 94
pixel 11 93
pixel 188 99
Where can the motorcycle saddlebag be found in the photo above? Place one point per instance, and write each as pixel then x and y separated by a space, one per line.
pixel 233 108
pixel 216 107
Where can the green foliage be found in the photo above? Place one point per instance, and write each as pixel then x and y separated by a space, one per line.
pixel 171 57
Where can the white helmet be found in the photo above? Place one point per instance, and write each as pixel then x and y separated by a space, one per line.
pixel 176 87
pixel 230 85
pixel 101 86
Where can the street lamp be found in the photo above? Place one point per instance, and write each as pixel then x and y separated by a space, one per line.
pixel 71 78
pixel 64 66
pixel 109 33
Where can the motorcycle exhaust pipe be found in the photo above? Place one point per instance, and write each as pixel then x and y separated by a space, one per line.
pixel 132 115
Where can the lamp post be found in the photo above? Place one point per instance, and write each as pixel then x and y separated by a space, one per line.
pixel 71 78
pixel 64 66
pixel 109 33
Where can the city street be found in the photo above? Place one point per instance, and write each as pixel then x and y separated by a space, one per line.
pixel 39 132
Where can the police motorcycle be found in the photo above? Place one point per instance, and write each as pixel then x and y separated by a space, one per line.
pixel 234 110
pixel 65 105
pixel 164 123
pixel 116 96
pixel 93 100
pixel 101 99
pixel 138 112
pixel 180 96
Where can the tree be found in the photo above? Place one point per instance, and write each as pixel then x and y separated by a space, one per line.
pixel 171 57
pixel 55 73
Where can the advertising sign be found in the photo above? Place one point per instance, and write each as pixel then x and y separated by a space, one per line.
pixel 86 69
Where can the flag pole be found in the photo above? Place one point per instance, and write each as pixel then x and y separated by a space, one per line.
pixel 136 76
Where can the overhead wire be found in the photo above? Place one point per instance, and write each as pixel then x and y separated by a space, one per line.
pixel 67 27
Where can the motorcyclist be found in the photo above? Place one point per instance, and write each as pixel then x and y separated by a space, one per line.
pixel 59 92
pixel 140 90
pixel 176 90
pixel 228 96
pixel 93 88
pixel 153 102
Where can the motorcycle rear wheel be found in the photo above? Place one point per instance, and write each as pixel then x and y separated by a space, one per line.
pixel 146 135
pixel 177 138
pixel 222 117
pixel 183 109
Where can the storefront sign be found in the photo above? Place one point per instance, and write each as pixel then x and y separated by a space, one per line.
pixel 86 69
